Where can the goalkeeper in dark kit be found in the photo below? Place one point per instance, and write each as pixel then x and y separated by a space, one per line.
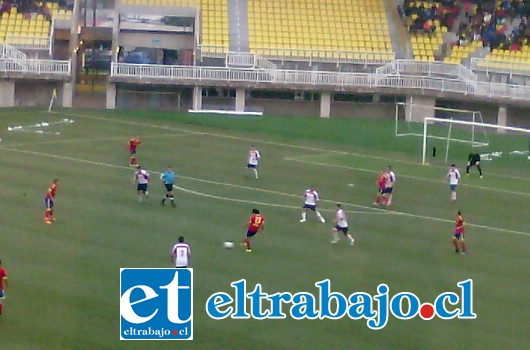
pixel 474 160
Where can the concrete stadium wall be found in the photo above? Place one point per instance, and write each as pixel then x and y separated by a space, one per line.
pixel 61 50
pixel 273 103
pixel 157 41
pixel 288 108
pixel 30 93
pixel 154 99
pixel 339 109
pixel 517 116
pixel 130 97
pixel 370 110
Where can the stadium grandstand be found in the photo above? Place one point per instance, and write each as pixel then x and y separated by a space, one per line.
pixel 247 55
pixel 28 25
pixel 334 94
pixel 335 30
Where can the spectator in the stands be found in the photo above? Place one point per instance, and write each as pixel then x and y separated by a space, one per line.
pixel 45 11
pixel 487 17
pixel 6 6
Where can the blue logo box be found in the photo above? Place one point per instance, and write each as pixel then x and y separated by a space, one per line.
pixel 156 304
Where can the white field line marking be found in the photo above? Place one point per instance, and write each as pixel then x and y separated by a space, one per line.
pixel 202 194
pixel 372 210
pixel 253 140
pixel 86 139
pixel 128 122
pixel 323 155
pixel 40 154
pixel 36 131
pixel 42 124
pixel 281 193
pixel 403 176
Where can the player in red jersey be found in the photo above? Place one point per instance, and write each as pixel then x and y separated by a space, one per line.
pixel 133 144
pixel 255 223
pixel 3 283
pixel 49 202
pixel 458 238
pixel 379 198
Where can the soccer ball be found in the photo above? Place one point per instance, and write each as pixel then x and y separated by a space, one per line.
pixel 228 245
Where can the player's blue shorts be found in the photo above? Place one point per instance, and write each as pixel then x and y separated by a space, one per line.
pixel 48 202
pixel 142 187
pixel 388 190
pixel 133 153
pixel 252 166
pixel 459 236
pixel 341 229
pixel 169 187
pixel 381 190
pixel 310 207
pixel 453 187
pixel 251 233
pixel 2 294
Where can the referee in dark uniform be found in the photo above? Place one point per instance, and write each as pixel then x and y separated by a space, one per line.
pixel 474 160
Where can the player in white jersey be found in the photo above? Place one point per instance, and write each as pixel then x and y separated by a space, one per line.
pixel 141 178
pixel 181 254
pixel 453 176
pixel 341 222
pixel 253 161
pixel 390 180
pixel 310 202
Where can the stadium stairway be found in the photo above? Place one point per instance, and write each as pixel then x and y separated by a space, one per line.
pixel 238 25
pixel 398 33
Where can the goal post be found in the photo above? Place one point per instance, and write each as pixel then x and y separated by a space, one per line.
pixel 408 119
pixel 506 131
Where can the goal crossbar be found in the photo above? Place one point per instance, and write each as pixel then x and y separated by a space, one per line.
pixel 451 113
pixel 430 120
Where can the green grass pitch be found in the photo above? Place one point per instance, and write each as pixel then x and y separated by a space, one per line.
pixel 64 278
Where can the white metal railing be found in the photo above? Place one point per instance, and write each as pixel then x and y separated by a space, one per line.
pixel 28 43
pixel 248 60
pixel 263 63
pixel 495 66
pixel 331 56
pixel 454 71
pixel 240 60
pixel 312 78
pixel 10 52
pixel 62 68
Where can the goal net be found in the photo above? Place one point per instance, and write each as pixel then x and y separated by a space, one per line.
pixel 507 147
pixel 409 117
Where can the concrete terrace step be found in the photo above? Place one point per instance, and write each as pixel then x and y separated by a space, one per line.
pixel 238 25
pixel 398 31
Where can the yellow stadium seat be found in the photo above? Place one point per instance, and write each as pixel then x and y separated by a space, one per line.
pixel 335 27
